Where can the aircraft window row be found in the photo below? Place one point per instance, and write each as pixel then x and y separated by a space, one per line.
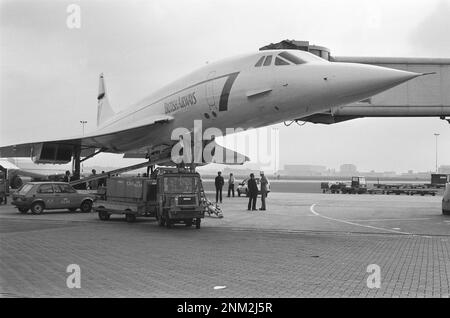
pixel 279 61
pixel 284 58
pixel 260 61
pixel 291 58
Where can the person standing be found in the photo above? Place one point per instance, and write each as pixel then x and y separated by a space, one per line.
pixel 231 185
pixel 219 185
pixel 252 192
pixel 67 176
pixel 93 185
pixel 102 181
pixel 264 183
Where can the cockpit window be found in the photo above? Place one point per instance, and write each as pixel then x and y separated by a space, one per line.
pixel 260 61
pixel 279 61
pixel 268 60
pixel 291 58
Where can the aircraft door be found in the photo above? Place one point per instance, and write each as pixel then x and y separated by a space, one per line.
pixel 211 92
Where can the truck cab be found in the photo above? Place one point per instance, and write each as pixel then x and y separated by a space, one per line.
pixel 179 198
pixel 358 185
pixel 446 200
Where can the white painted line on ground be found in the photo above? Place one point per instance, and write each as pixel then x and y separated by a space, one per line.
pixel 379 220
pixel 219 287
pixel 353 223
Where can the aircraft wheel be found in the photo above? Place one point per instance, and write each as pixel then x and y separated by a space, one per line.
pixel 169 223
pixel 197 223
pixel 16 182
pixel 160 220
pixel 103 215
pixel 130 217
pixel 23 210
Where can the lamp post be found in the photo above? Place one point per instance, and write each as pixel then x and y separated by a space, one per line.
pixel 436 134
pixel 83 122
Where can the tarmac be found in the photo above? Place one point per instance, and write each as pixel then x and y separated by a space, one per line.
pixel 304 245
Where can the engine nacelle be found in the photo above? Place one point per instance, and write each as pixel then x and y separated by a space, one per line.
pixel 55 153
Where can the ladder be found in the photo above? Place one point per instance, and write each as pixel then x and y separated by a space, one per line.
pixel 210 208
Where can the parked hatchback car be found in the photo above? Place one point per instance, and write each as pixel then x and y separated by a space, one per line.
pixel 446 200
pixel 242 187
pixel 40 196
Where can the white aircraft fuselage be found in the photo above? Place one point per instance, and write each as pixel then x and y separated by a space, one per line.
pixel 235 93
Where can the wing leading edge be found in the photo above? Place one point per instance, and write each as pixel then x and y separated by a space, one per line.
pixel 59 150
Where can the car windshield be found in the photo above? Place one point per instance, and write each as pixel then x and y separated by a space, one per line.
pixel 25 188
pixel 180 184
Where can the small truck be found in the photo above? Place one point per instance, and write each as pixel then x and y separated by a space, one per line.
pixel 172 195
pixel 358 185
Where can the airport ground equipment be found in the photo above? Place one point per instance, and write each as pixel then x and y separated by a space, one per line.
pixel 332 187
pixel 446 200
pixel 172 195
pixel 439 180
pixel 179 197
pixel 4 185
pixel 404 188
pixel 358 185
pixel 129 196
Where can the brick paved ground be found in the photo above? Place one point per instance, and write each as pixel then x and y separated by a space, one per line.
pixel 285 252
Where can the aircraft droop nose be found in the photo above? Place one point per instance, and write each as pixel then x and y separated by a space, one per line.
pixel 353 82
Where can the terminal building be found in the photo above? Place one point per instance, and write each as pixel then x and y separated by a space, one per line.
pixel 425 96
pixel 304 170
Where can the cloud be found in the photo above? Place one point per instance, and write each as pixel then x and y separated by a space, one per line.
pixel 431 36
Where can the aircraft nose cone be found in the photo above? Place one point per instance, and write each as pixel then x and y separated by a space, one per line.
pixel 355 82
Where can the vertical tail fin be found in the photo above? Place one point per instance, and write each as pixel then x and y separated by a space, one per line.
pixel 104 110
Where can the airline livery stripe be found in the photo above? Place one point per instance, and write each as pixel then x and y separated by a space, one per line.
pixel 223 103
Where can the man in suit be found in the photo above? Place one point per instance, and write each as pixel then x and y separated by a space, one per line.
pixel 264 183
pixel 219 182
pixel 67 177
pixel 231 185
pixel 252 192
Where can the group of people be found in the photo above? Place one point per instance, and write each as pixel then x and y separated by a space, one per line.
pixel 252 187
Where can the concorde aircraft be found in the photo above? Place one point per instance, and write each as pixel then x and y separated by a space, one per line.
pixel 247 91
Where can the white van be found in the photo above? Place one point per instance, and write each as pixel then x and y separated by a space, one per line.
pixel 446 200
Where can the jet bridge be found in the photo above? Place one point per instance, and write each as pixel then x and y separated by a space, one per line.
pixel 425 96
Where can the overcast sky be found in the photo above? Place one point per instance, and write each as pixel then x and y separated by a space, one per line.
pixel 49 73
